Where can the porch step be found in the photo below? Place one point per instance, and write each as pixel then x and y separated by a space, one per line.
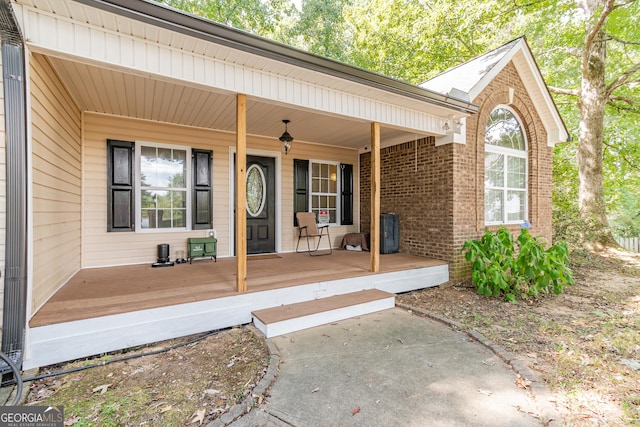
pixel 294 317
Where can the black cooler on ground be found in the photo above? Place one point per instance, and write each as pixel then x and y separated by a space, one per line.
pixel 389 239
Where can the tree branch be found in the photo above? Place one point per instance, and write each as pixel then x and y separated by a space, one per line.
pixel 631 108
pixel 619 40
pixel 622 79
pixel 626 100
pixel 622 155
pixel 573 52
pixel 576 103
pixel 609 7
pixel 561 91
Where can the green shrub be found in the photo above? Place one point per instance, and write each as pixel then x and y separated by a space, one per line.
pixel 517 268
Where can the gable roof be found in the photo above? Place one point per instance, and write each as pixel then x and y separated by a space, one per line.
pixel 469 79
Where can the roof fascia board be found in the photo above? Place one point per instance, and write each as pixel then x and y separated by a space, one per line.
pixel 561 133
pixel 203 29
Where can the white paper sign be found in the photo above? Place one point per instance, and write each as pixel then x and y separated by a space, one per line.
pixel 323 217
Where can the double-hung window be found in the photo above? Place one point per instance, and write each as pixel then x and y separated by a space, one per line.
pixel 505 167
pixel 158 187
pixel 324 188
pixel 162 176
pixel 324 192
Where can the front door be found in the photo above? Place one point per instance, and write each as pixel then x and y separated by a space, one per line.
pixel 261 205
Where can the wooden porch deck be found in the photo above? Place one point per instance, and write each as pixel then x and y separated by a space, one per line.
pixel 94 293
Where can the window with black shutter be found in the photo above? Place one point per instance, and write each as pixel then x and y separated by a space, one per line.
pixel 202 190
pixel 346 194
pixel 300 188
pixel 156 195
pixel 321 198
pixel 120 188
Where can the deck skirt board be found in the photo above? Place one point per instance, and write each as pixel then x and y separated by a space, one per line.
pixel 293 317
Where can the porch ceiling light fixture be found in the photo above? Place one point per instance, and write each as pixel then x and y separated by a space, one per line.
pixel 286 138
pixel 457 125
pixel 445 127
pixel 452 124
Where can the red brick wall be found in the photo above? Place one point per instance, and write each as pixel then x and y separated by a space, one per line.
pixel 438 191
pixel 416 183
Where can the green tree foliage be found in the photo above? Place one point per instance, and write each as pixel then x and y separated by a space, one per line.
pixel 265 18
pixel 592 172
pixel 321 29
pixel 413 40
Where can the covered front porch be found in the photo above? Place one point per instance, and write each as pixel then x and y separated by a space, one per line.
pixel 105 309
pixel 212 102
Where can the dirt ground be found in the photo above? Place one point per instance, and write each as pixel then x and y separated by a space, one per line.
pixel 584 343
pixel 194 382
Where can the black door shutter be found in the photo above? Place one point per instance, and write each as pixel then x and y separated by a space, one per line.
pixel 120 196
pixel 346 194
pixel 300 187
pixel 202 202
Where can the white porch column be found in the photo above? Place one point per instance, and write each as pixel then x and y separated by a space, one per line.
pixel 241 193
pixel 375 198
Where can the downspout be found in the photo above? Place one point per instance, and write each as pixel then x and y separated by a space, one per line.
pixel 15 274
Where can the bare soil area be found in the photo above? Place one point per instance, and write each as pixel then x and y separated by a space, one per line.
pixel 584 344
pixel 197 380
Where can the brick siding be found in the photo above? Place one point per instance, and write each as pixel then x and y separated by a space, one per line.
pixel 438 191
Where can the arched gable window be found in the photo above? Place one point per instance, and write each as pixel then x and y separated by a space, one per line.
pixel 505 169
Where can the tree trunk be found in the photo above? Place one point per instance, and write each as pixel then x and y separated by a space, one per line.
pixel 593 100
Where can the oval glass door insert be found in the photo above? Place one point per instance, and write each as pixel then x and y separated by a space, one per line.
pixel 256 190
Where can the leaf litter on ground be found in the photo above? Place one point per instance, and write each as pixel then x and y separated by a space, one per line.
pixel 575 341
pixel 192 384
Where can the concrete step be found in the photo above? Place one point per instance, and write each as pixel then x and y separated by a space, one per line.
pixel 294 317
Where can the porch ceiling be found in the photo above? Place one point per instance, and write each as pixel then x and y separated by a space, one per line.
pixel 115 92
pixel 143 60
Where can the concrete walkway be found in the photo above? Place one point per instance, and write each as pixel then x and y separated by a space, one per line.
pixel 392 368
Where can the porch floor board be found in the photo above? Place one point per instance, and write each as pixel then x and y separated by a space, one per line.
pixel 97 292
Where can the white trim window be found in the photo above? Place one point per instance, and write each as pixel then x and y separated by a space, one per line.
pixel 162 177
pixel 325 192
pixel 505 169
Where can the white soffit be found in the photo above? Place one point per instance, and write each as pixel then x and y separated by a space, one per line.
pixel 84 34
